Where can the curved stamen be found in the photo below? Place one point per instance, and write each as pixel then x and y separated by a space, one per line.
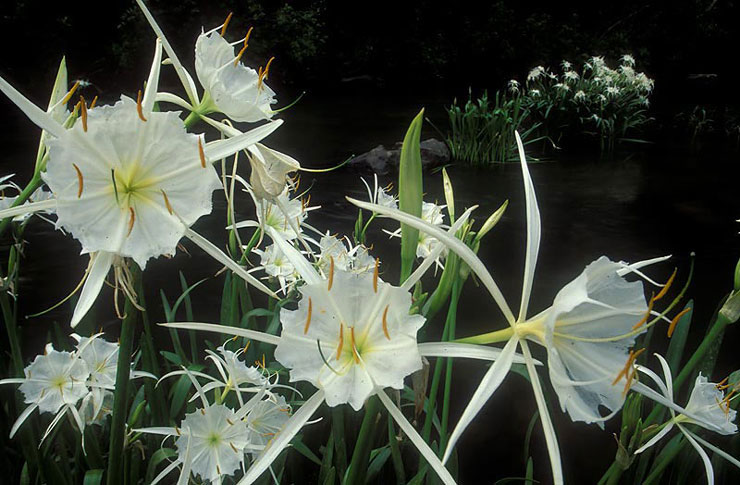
pixel 341 340
pixel 167 202
pixel 83 113
pixel 331 273
pixel 675 320
pixel 202 154
pixel 308 318
pixel 139 108
pixel 80 180
pixel 243 49
pixel 226 23
pixel 385 322
pixel 131 221
pixel 375 279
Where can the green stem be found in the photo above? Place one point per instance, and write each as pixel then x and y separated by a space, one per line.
pixel 120 400
pixel 497 336
pixel 361 455
pixel 25 194
pixel 451 322
pixel 191 120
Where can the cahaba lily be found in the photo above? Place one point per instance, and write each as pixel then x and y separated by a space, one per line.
pixel 128 182
pixel 587 332
pixel 352 336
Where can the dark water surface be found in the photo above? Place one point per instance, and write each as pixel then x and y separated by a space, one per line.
pixel 661 201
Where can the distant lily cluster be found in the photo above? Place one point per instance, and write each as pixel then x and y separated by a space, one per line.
pixel 611 102
pixel 128 181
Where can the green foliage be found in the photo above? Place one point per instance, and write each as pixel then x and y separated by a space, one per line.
pixel 482 131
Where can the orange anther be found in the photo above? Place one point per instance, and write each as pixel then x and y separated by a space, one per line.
pixel 244 48
pixel 341 340
pixel 80 180
pixel 139 108
pixel 385 322
pixel 226 23
pixel 94 102
pixel 375 277
pixel 83 113
pixel 131 221
pixel 233 447
pixel 308 318
pixel 262 74
pixel 647 314
pixel 331 273
pixel 675 320
pixel 167 202
pixel 664 290
pixel 202 154
pixel 68 96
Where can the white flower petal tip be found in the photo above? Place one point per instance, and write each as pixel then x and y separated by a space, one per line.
pixel 350 335
pixel 466 351
pixel 37 116
pixel 99 268
pixel 225 330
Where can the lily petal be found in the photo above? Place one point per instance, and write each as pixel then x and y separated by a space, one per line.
pixel 716 450
pixel 225 329
pixel 219 149
pixel 547 427
pixel 22 418
pixel 466 351
pixel 99 268
pixel 488 385
pixel 28 208
pixel 38 116
pixel 534 230
pixel 174 99
pixel 152 83
pixel 454 244
pixel 291 428
pixel 185 79
pixel 703 454
pixel 416 439
pixel 666 429
pixel 301 265
pixel 222 258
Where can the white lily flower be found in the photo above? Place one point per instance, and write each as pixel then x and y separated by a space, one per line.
pixel 587 321
pixel 379 195
pixel 345 256
pixel 267 418
pixel 282 214
pixel 235 90
pixel 54 382
pixel 129 182
pixel 708 407
pixel 352 336
pixel 276 265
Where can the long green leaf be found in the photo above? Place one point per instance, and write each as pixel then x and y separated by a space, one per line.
pixel 410 192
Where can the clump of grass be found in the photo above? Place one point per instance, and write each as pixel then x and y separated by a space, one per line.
pixel 594 100
pixel 482 130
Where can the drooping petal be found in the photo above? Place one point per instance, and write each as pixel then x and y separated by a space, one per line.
pixel 99 268
pixel 454 244
pixel 291 428
pixel 703 454
pixel 24 209
pixel 466 351
pixel 416 439
pixel 666 429
pixel 37 116
pixel 534 228
pixel 222 258
pixel 550 437
pixel 488 385
pixel 715 449
pixel 22 419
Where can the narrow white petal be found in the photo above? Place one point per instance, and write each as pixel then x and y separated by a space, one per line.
pixel 100 266
pixel 13 380
pixel 668 376
pixel 185 79
pixel 165 472
pixel 417 440
pixel 28 208
pixel 291 428
pixel 432 257
pixel 53 423
pixel 227 130
pixel 222 258
pixel 550 437
pixel 22 418
pixel 38 116
pixel 216 150
pixel 660 399
pixel 184 477
pixel 715 449
pixel 486 388
pixel 160 430
pixel 174 99
pixel 654 377
pixel 534 228
pixel 703 454
pixel 641 264
pixel 666 429
pixel 152 83
pixel 299 262
pixel 465 351
pixel 454 244
pixel 225 329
